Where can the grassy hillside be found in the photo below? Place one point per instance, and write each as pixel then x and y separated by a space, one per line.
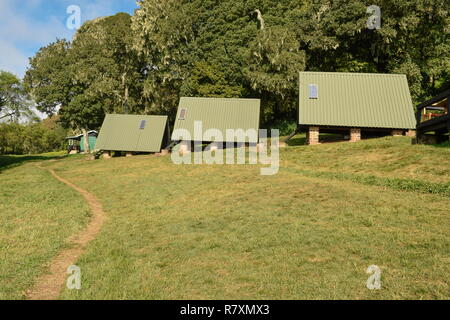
pixel 310 232
pixel 37 215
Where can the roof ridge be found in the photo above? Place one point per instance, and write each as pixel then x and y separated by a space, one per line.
pixel 136 115
pixel 354 73
pixel 215 98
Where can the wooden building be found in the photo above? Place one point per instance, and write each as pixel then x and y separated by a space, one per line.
pixel 76 143
pixel 433 120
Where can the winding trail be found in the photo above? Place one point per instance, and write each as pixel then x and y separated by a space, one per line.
pixel 49 285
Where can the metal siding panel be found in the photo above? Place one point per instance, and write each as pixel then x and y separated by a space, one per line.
pixel 356 100
pixel 152 136
pixel 92 141
pixel 103 134
pixel 123 133
pixel 218 113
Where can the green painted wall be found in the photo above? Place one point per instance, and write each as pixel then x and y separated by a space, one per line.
pixel 92 142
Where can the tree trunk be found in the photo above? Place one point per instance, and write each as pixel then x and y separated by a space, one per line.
pixel 7 115
pixel 260 19
pixel 87 148
pixel 126 94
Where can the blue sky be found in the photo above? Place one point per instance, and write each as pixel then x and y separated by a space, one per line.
pixel 27 25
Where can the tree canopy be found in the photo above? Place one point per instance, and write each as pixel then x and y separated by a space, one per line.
pixel 255 48
pixel 95 73
pixel 14 103
pixel 234 48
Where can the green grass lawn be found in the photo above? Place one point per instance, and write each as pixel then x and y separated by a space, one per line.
pixel 10 161
pixel 226 232
pixel 37 215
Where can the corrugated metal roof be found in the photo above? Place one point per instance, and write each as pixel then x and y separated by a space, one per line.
pixel 90 133
pixel 218 113
pixel 362 100
pixel 123 133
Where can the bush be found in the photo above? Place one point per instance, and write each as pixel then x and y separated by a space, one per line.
pixel 31 138
pixel 286 127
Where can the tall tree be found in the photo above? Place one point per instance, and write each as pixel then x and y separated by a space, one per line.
pixel 48 79
pixel 228 42
pixel 413 39
pixel 105 73
pixel 104 64
pixel 163 30
pixel 235 48
pixel 97 73
pixel 14 102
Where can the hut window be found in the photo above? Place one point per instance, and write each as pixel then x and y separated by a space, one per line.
pixel 143 123
pixel 313 91
pixel 182 114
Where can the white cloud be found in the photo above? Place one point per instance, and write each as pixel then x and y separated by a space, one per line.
pixel 21 34
pixel 12 59
pixel 27 25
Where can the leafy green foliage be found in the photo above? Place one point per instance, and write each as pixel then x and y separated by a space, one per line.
pixel 286 127
pixel 234 48
pixel 207 80
pixel 14 102
pixel 97 72
pixel 32 138
pixel 260 46
pixel 47 78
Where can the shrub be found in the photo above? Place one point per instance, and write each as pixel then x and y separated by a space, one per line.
pixel 286 127
pixel 31 138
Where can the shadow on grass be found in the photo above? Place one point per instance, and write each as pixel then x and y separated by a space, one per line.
pixel 300 140
pixel 442 145
pixel 297 141
pixel 10 161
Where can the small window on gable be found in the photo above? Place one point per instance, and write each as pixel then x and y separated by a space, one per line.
pixel 143 124
pixel 183 114
pixel 313 91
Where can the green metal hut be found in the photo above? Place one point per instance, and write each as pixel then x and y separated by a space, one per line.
pixel 133 133
pixel 354 104
pixel 218 113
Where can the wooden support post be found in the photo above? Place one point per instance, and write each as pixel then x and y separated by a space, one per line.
pixel 312 136
pixel 106 155
pixel 355 135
